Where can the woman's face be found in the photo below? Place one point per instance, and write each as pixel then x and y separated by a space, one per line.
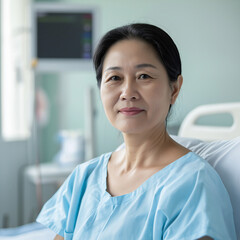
pixel 135 89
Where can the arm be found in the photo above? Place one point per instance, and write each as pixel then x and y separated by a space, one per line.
pixel 58 237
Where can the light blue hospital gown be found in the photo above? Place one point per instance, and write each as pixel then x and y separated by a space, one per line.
pixel 185 200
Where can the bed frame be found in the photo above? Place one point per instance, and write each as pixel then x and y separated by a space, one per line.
pixel 189 127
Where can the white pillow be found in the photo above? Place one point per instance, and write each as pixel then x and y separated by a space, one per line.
pixel 224 156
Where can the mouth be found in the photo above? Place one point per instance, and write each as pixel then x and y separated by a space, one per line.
pixel 131 111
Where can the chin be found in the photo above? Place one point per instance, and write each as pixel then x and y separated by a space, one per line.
pixel 128 129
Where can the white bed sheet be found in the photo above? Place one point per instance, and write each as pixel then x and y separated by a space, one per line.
pixel 45 234
pixel 31 231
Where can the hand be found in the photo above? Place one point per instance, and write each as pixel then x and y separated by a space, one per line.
pixel 58 237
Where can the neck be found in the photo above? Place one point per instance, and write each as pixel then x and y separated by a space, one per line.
pixel 144 150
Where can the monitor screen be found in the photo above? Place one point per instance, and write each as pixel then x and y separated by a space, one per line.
pixel 64 35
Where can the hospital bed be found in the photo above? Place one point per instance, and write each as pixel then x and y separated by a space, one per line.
pixel 220 146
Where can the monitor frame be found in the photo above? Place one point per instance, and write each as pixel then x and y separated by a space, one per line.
pixel 61 64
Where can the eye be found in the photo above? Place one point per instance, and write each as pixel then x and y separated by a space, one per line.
pixel 144 76
pixel 114 78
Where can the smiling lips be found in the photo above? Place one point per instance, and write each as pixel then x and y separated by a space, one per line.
pixel 131 111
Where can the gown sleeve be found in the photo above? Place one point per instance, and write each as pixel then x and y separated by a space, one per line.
pixel 59 212
pixel 198 206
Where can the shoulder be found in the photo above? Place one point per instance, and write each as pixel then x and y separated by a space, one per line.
pixel 191 177
pixel 87 168
pixel 60 211
pixel 84 174
pixel 95 161
pixel 191 166
pixel 191 196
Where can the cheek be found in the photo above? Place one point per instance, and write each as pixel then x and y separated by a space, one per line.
pixel 160 91
pixel 160 100
pixel 104 99
pixel 108 100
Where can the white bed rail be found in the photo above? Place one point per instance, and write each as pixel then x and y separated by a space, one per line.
pixel 189 128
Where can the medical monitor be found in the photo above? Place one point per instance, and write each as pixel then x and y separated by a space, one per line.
pixel 63 36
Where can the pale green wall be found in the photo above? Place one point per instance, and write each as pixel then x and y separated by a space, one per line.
pixel 207 34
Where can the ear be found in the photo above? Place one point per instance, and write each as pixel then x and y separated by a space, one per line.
pixel 176 86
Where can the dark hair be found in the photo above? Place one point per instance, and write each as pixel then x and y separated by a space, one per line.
pixel 155 36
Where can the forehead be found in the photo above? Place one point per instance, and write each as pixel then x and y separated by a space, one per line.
pixel 131 50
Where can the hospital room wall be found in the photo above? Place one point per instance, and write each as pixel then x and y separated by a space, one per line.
pixel 12 157
pixel 207 34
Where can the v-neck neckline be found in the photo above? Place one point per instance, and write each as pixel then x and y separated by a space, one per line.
pixel 148 183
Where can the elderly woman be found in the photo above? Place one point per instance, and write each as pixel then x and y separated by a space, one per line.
pixel 153 188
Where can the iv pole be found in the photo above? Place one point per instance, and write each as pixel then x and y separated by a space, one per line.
pixel 35 139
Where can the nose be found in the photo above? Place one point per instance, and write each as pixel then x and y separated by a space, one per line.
pixel 129 91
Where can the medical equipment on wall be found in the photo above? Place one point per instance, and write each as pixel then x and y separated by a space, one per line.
pixel 63 36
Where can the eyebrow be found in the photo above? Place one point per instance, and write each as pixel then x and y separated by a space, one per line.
pixel 113 68
pixel 143 65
